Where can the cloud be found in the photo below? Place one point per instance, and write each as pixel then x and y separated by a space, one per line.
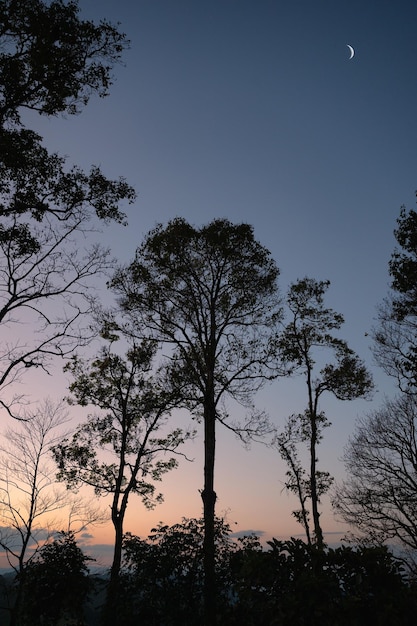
pixel 247 533
pixel 102 553
pixel 12 538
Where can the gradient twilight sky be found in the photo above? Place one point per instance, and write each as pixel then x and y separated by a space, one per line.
pixel 251 110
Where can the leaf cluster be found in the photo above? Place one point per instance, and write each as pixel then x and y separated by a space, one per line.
pixel 119 449
pixel 311 329
pixel 51 61
pixel 56 583
pixel 395 336
pixel 289 582
pixel 403 265
pixel 166 570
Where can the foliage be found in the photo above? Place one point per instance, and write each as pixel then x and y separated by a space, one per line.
pixel 120 450
pixel 166 571
pixel 297 480
pixel 294 583
pixel 51 62
pixel 379 495
pixel 56 583
pixel 403 264
pixel 395 338
pixel 210 294
pixel 290 582
pixel 309 331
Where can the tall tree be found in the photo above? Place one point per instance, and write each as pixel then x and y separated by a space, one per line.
pixel 32 503
pixel 122 449
pixel 209 293
pixel 379 496
pixel 51 62
pixel 305 339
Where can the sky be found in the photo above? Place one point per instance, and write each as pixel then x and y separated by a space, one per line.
pixel 253 111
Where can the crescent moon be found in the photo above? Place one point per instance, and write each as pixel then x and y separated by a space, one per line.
pixel 351 50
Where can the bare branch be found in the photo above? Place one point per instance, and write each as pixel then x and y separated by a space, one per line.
pixel 379 495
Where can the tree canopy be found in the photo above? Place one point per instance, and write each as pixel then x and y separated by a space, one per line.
pixel 51 62
pixel 395 337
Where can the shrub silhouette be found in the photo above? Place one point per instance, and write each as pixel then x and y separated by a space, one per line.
pixel 56 583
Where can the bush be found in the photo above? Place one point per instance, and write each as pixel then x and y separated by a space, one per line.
pixel 55 583
pixel 293 583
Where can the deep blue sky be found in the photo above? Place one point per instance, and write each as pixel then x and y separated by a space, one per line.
pixel 252 110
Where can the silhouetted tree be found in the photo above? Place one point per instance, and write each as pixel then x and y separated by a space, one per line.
pixel 288 582
pixel 121 450
pixel 295 583
pixel 307 336
pixel 30 496
pixel 297 480
pixel 211 295
pixel 163 575
pixel 395 338
pixel 56 584
pixel 379 496
pixel 51 62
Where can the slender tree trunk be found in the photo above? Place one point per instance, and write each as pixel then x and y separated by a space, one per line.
pixel 209 500
pixel 313 483
pixel 290 456
pixel 19 598
pixel 302 499
pixel 110 609
pixel 312 414
pixel 16 608
pixel 117 556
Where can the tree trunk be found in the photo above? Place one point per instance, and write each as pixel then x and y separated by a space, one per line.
pixel 209 500
pixel 110 609
pixel 312 415
pixel 117 555
pixel 17 604
pixel 313 484
pixel 16 608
